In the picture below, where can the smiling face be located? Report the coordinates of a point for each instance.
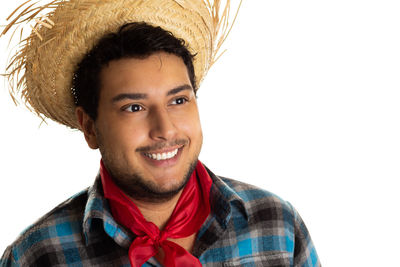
(148, 128)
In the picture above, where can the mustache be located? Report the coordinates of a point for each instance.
(161, 145)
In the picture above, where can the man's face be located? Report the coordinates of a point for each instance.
(148, 128)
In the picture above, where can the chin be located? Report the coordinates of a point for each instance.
(140, 186)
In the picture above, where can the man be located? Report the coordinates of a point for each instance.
(126, 74)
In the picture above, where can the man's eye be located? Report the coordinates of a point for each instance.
(179, 101)
(133, 108)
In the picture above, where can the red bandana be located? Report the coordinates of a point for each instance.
(189, 214)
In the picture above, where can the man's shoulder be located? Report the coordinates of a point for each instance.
(254, 197)
(63, 220)
(247, 191)
(262, 229)
(71, 209)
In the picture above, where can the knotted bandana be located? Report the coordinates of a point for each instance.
(189, 214)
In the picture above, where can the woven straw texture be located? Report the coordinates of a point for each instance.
(41, 71)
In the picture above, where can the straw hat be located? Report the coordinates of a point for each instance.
(41, 71)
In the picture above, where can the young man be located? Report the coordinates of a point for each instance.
(132, 93)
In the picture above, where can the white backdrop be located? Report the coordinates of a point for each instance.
(305, 103)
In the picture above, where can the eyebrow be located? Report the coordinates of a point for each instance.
(179, 89)
(130, 96)
(139, 96)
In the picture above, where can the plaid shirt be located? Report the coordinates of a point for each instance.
(247, 227)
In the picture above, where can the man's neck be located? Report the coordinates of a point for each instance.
(157, 213)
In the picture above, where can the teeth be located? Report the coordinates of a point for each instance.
(163, 156)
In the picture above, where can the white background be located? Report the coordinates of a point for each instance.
(305, 103)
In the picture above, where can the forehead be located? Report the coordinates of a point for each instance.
(155, 74)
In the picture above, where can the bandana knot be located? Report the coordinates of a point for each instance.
(157, 242)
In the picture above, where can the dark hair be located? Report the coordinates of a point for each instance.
(133, 40)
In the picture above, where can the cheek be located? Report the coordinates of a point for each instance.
(120, 135)
(191, 127)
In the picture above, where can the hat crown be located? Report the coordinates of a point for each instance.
(42, 70)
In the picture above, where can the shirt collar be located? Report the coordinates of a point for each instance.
(222, 199)
(98, 209)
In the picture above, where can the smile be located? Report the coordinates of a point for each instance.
(162, 156)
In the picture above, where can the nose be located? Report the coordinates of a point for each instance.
(161, 125)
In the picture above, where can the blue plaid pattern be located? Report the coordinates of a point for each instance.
(247, 227)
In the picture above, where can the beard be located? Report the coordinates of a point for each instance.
(138, 187)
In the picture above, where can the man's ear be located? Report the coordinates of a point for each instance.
(87, 127)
